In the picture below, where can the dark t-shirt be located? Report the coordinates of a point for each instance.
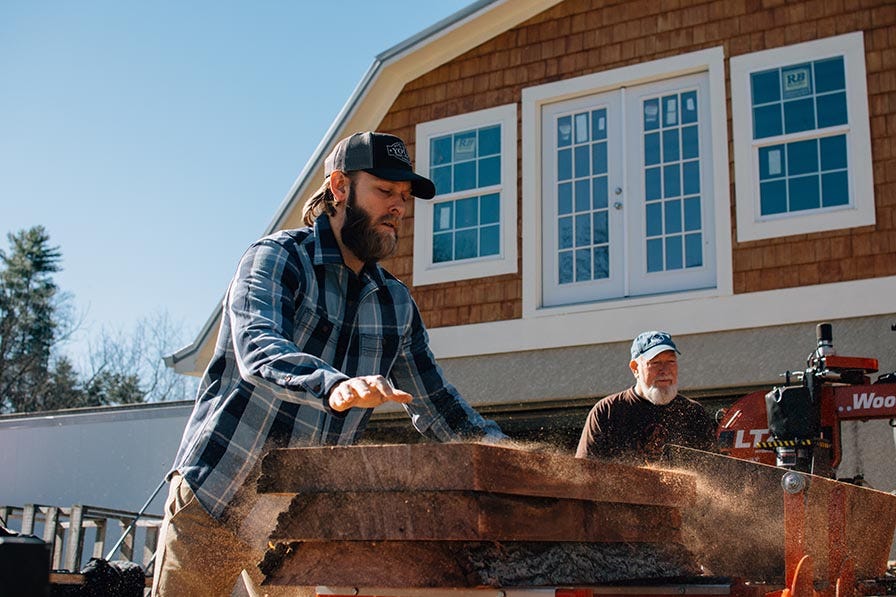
(630, 427)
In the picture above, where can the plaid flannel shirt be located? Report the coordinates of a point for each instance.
(296, 322)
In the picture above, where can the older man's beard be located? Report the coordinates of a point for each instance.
(660, 396)
(361, 237)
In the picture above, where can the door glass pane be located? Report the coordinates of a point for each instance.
(583, 195)
(564, 271)
(564, 233)
(601, 231)
(654, 255)
(692, 216)
(690, 142)
(691, 174)
(654, 218)
(583, 163)
(599, 124)
(599, 158)
(653, 185)
(670, 146)
(673, 217)
(674, 256)
(564, 131)
(651, 114)
(671, 181)
(601, 263)
(667, 215)
(581, 123)
(564, 198)
(693, 250)
(600, 193)
(564, 164)
(651, 149)
(583, 265)
(583, 231)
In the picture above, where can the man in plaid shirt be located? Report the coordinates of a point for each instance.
(314, 336)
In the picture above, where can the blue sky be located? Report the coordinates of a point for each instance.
(155, 140)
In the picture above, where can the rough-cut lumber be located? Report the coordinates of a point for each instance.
(471, 564)
(470, 516)
(736, 525)
(467, 515)
(470, 467)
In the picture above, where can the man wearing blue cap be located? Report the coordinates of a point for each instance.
(635, 424)
(314, 335)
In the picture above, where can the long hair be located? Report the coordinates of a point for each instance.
(321, 202)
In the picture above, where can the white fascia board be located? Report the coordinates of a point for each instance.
(690, 314)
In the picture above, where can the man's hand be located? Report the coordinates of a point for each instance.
(368, 391)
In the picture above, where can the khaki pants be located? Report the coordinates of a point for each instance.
(197, 556)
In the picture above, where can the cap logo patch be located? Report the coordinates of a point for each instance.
(399, 152)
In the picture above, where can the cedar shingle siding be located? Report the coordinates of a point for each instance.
(580, 37)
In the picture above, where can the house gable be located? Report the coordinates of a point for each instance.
(488, 56)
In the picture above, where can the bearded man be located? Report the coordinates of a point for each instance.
(314, 335)
(635, 424)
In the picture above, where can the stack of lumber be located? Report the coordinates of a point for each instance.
(470, 515)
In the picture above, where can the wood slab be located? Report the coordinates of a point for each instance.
(471, 564)
(470, 516)
(736, 526)
(469, 467)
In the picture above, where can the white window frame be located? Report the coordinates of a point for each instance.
(710, 61)
(427, 272)
(751, 225)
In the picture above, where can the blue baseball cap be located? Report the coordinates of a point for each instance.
(649, 344)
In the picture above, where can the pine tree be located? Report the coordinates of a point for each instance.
(28, 322)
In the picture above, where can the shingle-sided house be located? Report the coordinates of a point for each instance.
(721, 169)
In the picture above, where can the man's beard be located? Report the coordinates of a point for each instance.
(361, 237)
(660, 396)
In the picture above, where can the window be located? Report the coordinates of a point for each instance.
(630, 178)
(468, 229)
(802, 141)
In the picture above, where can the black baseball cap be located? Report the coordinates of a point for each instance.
(380, 154)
